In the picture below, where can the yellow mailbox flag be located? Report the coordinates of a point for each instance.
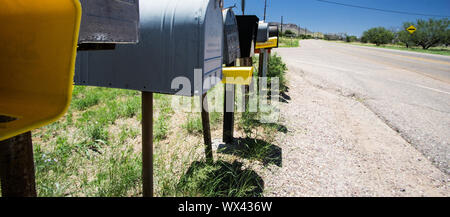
(271, 43)
(237, 75)
(38, 42)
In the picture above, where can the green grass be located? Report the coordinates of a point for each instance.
(289, 42)
(193, 124)
(122, 174)
(220, 179)
(80, 156)
(434, 50)
(162, 125)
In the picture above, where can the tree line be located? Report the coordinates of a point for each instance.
(429, 33)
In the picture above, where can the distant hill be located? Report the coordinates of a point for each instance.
(293, 27)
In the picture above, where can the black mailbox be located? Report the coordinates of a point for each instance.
(248, 28)
(179, 41)
(107, 21)
(231, 49)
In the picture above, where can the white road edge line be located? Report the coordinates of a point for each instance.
(421, 86)
(403, 82)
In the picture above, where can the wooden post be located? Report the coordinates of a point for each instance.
(147, 143)
(228, 112)
(17, 167)
(206, 128)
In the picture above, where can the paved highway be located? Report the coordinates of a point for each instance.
(410, 92)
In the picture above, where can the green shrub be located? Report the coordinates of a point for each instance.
(430, 33)
(379, 36)
(277, 68)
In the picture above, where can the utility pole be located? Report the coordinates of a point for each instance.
(281, 25)
(243, 6)
(265, 8)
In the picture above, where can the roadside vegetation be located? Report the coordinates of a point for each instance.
(289, 42)
(431, 36)
(290, 39)
(440, 50)
(95, 149)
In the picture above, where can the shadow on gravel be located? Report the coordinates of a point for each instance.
(253, 149)
(280, 128)
(284, 98)
(220, 179)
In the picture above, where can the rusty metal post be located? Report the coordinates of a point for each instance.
(147, 143)
(228, 112)
(17, 167)
(206, 128)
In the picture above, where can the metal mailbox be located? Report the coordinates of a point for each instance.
(177, 39)
(263, 32)
(38, 42)
(272, 41)
(231, 50)
(274, 32)
(106, 21)
(248, 27)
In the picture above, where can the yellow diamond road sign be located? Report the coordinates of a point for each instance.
(411, 29)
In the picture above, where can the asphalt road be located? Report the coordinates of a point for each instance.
(410, 92)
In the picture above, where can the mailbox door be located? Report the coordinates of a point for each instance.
(232, 50)
(263, 32)
(213, 46)
(273, 32)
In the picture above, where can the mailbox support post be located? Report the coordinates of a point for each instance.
(17, 167)
(147, 143)
(262, 69)
(206, 128)
(246, 62)
(228, 109)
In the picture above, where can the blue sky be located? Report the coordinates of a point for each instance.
(323, 17)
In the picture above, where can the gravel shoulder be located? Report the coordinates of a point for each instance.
(336, 146)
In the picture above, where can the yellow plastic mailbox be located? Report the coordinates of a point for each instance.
(38, 42)
(271, 43)
(237, 75)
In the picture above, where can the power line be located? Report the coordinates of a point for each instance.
(383, 10)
